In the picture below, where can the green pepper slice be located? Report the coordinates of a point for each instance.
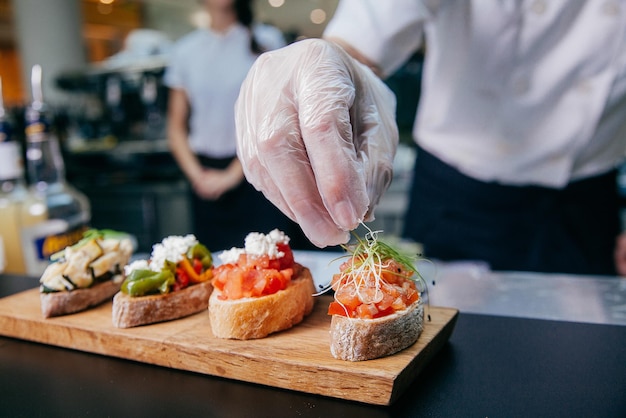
(145, 282)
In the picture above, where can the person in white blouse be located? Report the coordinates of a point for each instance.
(520, 127)
(205, 73)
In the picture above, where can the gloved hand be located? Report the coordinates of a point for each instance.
(316, 133)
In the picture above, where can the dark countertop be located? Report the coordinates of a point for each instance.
(492, 366)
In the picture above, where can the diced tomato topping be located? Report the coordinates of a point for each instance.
(286, 261)
(272, 264)
(259, 285)
(366, 310)
(412, 296)
(385, 312)
(392, 291)
(255, 276)
(219, 278)
(273, 285)
(335, 308)
(386, 302)
(233, 287)
(398, 304)
(347, 296)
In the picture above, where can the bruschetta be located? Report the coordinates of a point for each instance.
(174, 283)
(377, 309)
(85, 274)
(259, 289)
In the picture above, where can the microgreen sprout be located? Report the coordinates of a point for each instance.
(368, 262)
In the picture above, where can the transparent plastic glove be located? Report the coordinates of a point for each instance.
(316, 133)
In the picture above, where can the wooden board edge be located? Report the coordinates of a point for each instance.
(331, 384)
(415, 367)
(390, 387)
(171, 354)
(19, 329)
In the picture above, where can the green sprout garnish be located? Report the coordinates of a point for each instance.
(370, 258)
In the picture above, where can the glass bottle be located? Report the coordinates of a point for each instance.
(11, 185)
(16, 202)
(68, 210)
(12, 192)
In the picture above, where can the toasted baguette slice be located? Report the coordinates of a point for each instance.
(257, 317)
(356, 339)
(131, 311)
(63, 303)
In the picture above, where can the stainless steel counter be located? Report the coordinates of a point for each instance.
(472, 288)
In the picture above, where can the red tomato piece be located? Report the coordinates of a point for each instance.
(347, 296)
(287, 274)
(286, 261)
(335, 308)
(247, 284)
(220, 275)
(411, 296)
(366, 310)
(182, 279)
(386, 302)
(197, 265)
(233, 286)
(260, 285)
(384, 312)
(398, 304)
(273, 285)
(273, 264)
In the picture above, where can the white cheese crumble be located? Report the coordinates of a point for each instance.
(257, 245)
(136, 265)
(231, 256)
(172, 248)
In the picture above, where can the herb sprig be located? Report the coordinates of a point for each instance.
(369, 255)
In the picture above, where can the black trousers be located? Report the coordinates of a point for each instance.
(224, 223)
(527, 228)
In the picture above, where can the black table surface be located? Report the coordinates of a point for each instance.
(492, 366)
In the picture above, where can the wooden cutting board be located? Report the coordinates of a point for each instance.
(297, 359)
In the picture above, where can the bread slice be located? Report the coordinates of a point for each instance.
(67, 302)
(257, 317)
(131, 311)
(356, 339)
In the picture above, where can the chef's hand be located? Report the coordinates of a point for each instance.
(316, 133)
(620, 254)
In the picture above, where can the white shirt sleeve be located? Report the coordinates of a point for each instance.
(386, 32)
(173, 77)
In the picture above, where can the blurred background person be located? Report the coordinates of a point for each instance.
(520, 128)
(205, 73)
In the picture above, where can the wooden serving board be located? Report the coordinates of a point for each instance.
(297, 359)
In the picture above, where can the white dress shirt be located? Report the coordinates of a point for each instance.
(513, 91)
(210, 67)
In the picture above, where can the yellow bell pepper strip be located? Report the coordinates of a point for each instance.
(194, 277)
